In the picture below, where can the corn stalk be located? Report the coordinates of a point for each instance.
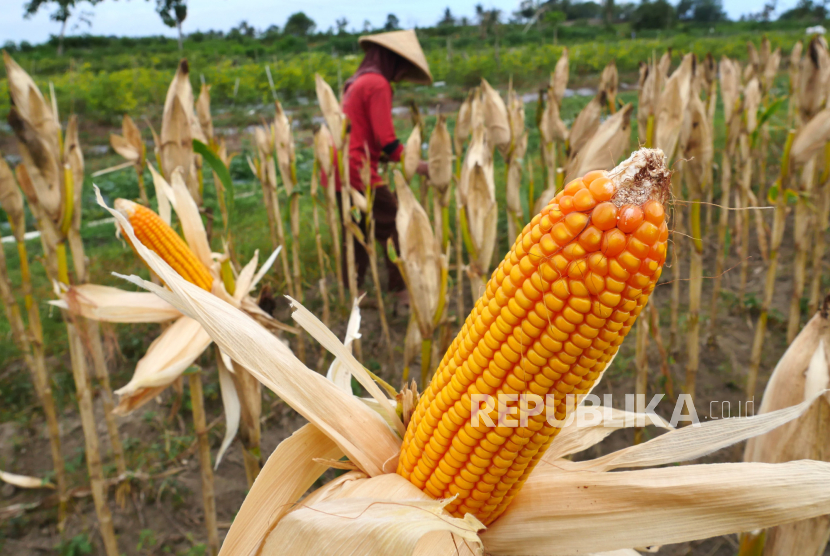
(321, 257)
(819, 241)
(348, 226)
(801, 236)
(779, 221)
(371, 249)
(197, 402)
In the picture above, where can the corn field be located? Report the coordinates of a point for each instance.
(692, 220)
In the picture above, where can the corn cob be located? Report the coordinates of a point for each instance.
(554, 314)
(160, 238)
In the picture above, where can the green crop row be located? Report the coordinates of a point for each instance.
(105, 95)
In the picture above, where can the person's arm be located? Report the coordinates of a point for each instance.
(380, 114)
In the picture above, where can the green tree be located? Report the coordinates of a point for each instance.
(392, 23)
(299, 25)
(448, 20)
(63, 11)
(555, 18)
(653, 15)
(173, 13)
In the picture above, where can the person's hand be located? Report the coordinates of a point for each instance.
(423, 168)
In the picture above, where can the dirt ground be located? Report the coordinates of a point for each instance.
(163, 513)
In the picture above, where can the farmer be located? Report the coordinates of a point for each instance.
(367, 102)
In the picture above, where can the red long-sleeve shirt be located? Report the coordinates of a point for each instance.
(368, 104)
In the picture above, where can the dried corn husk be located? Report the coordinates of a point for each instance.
(551, 125)
(332, 112)
(754, 67)
(482, 215)
(463, 122)
(11, 200)
(586, 123)
(814, 74)
(664, 66)
(24, 481)
(802, 372)
(323, 149)
(609, 81)
(515, 115)
(771, 69)
(696, 141)
(129, 145)
(421, 255)
(412, 153)
(811, 138)
(606, 146)
(495, 116)
(284, 144)
(177, 130)
(730, 86)
(671, 106)
(795, 66)
(559, 79)
(203, 112)
(752, 102)
(478, 153)
(440, 156)
(37, 133)
(73, 157)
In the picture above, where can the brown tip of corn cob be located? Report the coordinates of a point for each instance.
(554, 314)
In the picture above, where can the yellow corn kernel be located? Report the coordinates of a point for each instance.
(160, 238)
(553, 315)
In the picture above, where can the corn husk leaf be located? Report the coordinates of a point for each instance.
(811, 138)
(176, 141)
(167, 358)
(284, 144)
(73, 156)
(330, 107)
(551, 125)
(420, 252)
(609, 81)
(412, 153)
(11, 200)
(463, 122)
(193, 228)
(128, 145)
(559, 79)
(164, 194)
(671, 107)
(515, 115)
(478, 153)
(814, 73)
(108, 304)
(230, 404)
(203, 112)
(771, 67)
(495, 116)
(24, 481)
(362, 435)
(730, 86)
(323, 145)
(586, 123)
(606, 146)
(440, 156)
(674, 504)
(800, 374)
(339, 373)
(696, 141)
(573, 439)
(289, 472)
(752, 101)
(37, 131)
(363, 517)
(482, 215)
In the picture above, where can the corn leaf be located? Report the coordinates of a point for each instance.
(219, 168)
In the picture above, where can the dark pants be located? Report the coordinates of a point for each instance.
(384, 209)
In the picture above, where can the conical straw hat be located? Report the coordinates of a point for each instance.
(405, 44)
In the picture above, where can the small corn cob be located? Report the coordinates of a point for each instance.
(160, 238)
(554, 314)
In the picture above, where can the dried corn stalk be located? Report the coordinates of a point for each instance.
(671, 106)
(801, 374)
(52, 179)
(333, 114)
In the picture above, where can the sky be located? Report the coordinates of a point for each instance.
(138, 17)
